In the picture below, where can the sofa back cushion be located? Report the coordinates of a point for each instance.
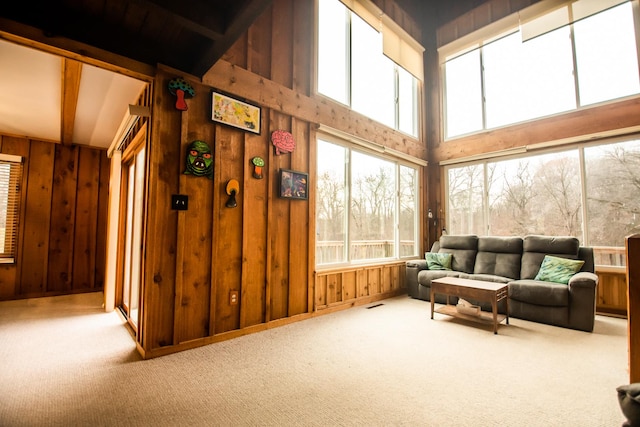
(464, 250)
(499, 256)
(536, 247)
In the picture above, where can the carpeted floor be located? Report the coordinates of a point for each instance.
(63, 362)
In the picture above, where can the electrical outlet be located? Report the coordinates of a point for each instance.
(233, 297)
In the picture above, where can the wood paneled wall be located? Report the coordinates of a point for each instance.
(263, 248)
(62, 231)
(612, 291)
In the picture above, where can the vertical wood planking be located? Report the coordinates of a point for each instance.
(303, 48)
(160, 245)
(254, 237)
(101, 231)
(349, 285)
(37, 207)
(86, 224)
(195, 236)
(320, 298)
(229, 164)
(282, 43)
(65, 177)
(299, 226)
(280, 229)
(259, 46)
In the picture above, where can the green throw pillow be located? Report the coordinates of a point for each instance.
(559, 270)
(438, 261)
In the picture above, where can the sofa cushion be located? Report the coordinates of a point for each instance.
(438, 261)
(535, 248)
(426, 276)
(499, 256)
(490, 278)
(558, 270)
(539, 293)
(463, 249)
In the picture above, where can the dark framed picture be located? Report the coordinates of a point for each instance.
(293, 185)
(236, 113)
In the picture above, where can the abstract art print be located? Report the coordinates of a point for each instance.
(232, 112)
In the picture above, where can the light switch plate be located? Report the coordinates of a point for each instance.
(179, 202)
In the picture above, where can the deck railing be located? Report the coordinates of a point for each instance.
(614, 256)
(329, 251)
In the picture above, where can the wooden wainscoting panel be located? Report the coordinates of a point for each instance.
(358, 284)
(612, 292)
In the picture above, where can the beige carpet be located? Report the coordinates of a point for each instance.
(64, 362)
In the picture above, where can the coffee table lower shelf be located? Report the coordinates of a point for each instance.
(484, 317)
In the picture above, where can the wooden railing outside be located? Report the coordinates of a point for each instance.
(330, 251)
(609, 255)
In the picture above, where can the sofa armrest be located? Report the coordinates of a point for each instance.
(412, 269)
(583, 279)
(419, 264)
(582, 300)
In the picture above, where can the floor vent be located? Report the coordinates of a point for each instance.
(374, 306)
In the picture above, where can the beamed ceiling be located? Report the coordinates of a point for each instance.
(188, 35)
(69, 68)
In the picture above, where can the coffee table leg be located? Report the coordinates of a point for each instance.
(507, 299)
(494, 309)
(432, 297)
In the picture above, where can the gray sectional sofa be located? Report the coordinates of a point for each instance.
(516, 261)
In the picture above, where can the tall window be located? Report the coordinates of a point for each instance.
(521, 76)
(10, 179)
(543, 194)
(366, 206)
(353, 70)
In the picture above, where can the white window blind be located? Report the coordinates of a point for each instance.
(397, 44)
(10, 180)
(550, 15)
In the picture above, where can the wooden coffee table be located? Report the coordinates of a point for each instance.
(472, 289)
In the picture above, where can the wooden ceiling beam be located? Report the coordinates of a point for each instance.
(71, 74)
(244, 18)
(208, 23)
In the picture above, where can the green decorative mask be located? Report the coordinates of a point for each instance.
(199, 160)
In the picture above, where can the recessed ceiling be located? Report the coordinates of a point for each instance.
(31, 84)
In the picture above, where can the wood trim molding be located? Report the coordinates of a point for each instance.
(315, 109)
(607, 120)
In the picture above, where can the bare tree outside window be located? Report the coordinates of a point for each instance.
(613, 197)
(466, 200)
(364, 203)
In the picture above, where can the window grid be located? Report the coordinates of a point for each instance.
(632, 89)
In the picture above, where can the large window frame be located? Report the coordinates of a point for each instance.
(350, 42)
(471, 112)
(587, 195)
(347, 248)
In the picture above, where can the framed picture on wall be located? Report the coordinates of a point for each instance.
(293, 185)
(236, 113)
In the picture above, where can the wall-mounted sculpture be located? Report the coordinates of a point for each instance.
(283, 141)
(182, 90)
(199, 160)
